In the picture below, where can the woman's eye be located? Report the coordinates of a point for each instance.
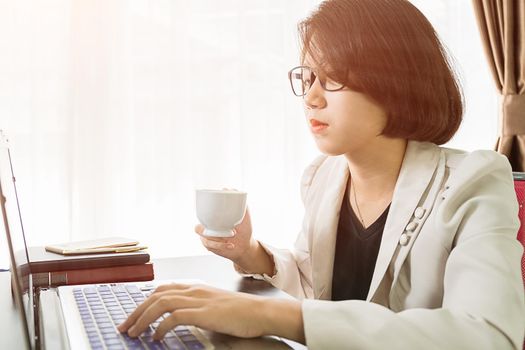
(307, 82)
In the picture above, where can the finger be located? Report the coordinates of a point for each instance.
(178, 317)
(166, 303)
(199, 229)
(247, 214)
(216, 245)
(246, 220)
(172, 286)
(214, 251)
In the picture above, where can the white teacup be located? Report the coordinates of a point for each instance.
(220, 210)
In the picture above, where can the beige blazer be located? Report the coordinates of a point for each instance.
(447, 274)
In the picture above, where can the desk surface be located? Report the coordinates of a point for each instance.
(212, 269)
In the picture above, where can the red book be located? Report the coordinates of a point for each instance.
(128, 273)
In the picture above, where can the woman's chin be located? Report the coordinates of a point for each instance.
(330, 149)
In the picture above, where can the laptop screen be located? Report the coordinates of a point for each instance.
(21, 283)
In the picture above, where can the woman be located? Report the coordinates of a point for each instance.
(404, 244)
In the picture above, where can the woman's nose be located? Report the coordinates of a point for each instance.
(314, 97)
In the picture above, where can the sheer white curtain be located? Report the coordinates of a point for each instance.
(118, 110)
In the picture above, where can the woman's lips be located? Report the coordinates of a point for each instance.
(317, 126)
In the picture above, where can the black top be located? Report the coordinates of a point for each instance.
(356, 252)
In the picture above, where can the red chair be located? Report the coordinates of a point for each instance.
(519, 186)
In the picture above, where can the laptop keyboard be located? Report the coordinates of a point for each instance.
(103, 307)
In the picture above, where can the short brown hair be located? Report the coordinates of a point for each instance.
(389, 51)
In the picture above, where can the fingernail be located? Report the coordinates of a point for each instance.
(131, 331)
(230, 246)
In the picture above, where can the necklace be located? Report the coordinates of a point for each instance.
(356, 205)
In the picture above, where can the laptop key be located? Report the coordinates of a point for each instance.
(110, 336)
(183, 332)
(94, 337)
(118, 288)
(91, 329)
(104, 331)
(113, 342)
(194, 345)
(104, 320)
(187, 338)
(132, 289)
(131, 341)
(156, 345)
(139, 346)
(148, 332)
(97, 346)
(174, 343)
(147, 287)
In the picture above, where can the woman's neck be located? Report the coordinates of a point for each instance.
(375, 168)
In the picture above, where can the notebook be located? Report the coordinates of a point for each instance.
(88, 314)
(96, 246)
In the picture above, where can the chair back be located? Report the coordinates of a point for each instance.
(519, 186)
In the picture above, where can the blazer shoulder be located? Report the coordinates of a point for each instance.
(480, 186)
(467, 167)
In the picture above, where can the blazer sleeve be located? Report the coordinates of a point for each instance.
(293, 272)
(483, 304)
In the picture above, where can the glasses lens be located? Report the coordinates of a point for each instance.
(301, 78)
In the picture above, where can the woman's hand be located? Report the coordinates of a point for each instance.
(232, 248)
(242, 248)
(238, 314)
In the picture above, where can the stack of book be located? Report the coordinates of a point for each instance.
(99, 261)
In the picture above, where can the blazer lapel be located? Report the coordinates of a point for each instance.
(416, 174)
(324, 221)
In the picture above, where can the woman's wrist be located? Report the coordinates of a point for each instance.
(256, 260)
(283, 318)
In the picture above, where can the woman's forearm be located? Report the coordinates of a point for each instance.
(284, 318)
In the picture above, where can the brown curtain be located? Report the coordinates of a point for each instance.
(502, 28)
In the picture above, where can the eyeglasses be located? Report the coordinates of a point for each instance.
(303, 77)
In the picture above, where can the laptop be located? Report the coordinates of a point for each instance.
(86, 316)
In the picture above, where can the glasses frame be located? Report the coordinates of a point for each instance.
(316, 75)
